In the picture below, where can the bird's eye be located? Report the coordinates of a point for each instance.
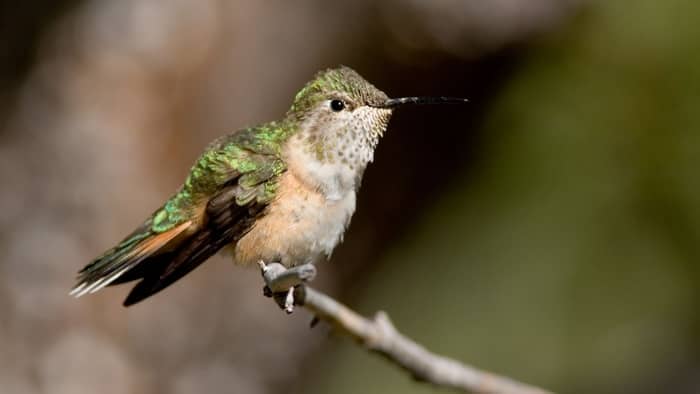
(337, 105)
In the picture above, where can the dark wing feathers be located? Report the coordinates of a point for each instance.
(227, 221)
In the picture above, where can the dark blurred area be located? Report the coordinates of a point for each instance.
(549, 231)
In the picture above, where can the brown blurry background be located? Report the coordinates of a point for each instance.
(549, 231)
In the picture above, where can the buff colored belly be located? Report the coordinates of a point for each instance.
(298, 227)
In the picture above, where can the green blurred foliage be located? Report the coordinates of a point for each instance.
(570, 260)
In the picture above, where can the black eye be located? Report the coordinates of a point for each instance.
(337, 105)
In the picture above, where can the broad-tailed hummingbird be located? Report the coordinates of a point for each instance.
(283, 191)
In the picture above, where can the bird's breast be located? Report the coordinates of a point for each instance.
(299, 226)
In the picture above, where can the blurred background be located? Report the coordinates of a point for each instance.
(548, 231)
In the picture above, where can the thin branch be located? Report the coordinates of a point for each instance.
(379, 335)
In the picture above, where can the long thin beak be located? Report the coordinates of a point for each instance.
(397, 102)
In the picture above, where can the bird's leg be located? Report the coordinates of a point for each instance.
(280, 282)
(289, 301)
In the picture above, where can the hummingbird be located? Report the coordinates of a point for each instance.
(282, 191)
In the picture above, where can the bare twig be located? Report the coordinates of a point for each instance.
(379, 335)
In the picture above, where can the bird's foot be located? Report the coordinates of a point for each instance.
(285, 285)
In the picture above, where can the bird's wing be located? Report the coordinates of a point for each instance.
(228, 188)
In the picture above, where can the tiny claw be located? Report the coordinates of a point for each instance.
(289, 301)
(263, 266)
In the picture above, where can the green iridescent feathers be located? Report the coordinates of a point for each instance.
(250, 157)
(338, 80)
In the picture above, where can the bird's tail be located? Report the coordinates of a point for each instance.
(121, 263)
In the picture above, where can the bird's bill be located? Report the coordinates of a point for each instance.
(397, 102)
